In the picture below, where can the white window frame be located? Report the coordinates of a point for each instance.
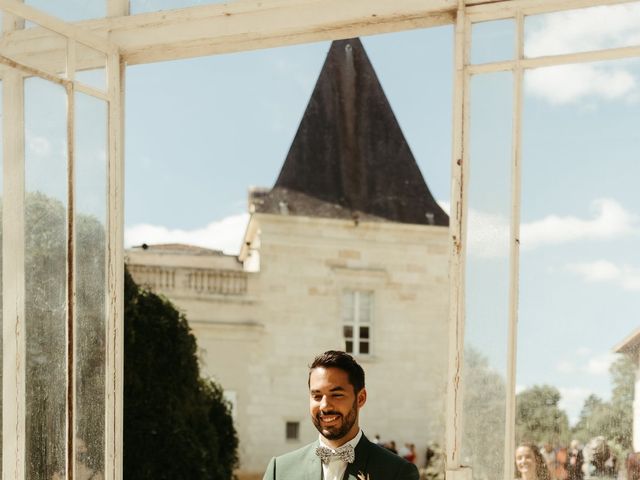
(18, 62)
(248, 24)
(355, 322)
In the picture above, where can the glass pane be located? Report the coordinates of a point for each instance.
(144, 6)
(91, 198)
(348, 347)
(579, 266)
(71, 10)
(573, 31)
(45, 276)
(364, 332)
(493, 41)
(347, 307)
(487, 274)
(365, 299)
(364, 347)
(347, 331)
(91, 67)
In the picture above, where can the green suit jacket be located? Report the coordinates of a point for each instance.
(371, 459)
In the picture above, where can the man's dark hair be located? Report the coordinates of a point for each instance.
(343, 361)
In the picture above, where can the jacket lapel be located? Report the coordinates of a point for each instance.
(359, 465)
(313, 470)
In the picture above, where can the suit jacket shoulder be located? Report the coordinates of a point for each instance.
(295, 464)
(378, 462)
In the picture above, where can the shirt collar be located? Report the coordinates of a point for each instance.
(353, 442)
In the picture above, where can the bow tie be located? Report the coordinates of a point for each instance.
(344, 453)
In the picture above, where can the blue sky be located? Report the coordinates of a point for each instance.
(200, 132)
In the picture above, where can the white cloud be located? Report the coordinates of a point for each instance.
(599, 365)
(572, 83)
(488, 233)
(446, 206)
(225, 235)
(572, 400)
(610, 220)
(625, 276)
(582, 30)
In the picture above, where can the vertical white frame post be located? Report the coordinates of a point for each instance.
(13, 276)
(514, 254)
(457, 246)
(115, 272)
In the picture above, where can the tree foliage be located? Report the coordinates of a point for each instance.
(612, 419)
(176, 425)
(539, 419)
(483, 406)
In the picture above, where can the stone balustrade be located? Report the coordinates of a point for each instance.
(190, 280)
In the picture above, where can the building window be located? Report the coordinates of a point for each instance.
(293, 430)
(357, 312)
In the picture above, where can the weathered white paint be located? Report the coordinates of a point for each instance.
(13, 280)
(514, 254)
(115, 271)
(457, 235)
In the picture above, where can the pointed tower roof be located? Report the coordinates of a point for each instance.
(349, 158)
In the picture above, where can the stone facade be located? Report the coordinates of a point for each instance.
(260, 318)
(631, 346)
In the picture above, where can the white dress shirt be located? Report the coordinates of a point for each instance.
(334, 470)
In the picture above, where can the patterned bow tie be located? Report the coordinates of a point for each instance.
(344, 453)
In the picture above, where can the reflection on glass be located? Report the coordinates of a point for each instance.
(91, 198)
(145, 6)
(45, 276)
(71, 10)
(91, 67)
(578, 324)
(493, 41)
(573, 31)
(487, 274)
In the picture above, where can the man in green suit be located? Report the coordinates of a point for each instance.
(342, 452)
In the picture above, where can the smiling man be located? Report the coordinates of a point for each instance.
(342, 452)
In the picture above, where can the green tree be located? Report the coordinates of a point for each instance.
(539, 419)
(614, 419)
(176, 425)
(483, 406)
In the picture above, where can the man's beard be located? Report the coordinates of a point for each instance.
(339, 431)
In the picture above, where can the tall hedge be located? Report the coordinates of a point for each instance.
(176, 424)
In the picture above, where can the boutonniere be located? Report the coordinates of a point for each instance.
(362, 476)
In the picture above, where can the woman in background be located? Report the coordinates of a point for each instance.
(529, 463)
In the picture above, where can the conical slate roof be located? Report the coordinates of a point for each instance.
(349, 158)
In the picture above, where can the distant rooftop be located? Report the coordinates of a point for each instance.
(349, 157)
(178, 249)
(629, 344)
